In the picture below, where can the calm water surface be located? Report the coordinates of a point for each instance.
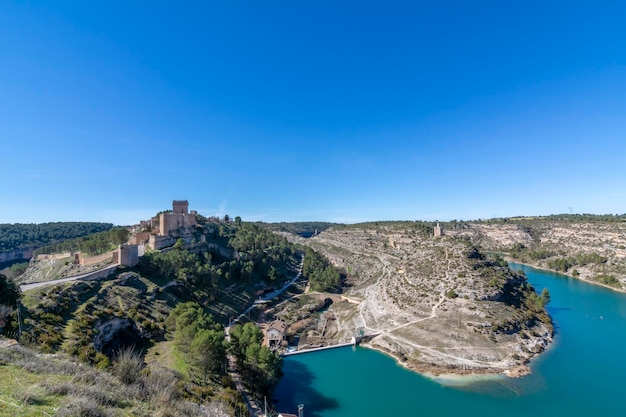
(582, 374)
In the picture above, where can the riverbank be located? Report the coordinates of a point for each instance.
(575, 375)
(544, 269)
(451, 372)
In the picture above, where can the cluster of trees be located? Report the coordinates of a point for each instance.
(17, 269)
(260, 368)
(530, 308)
(199, 340)
(21, 236)
(607, 279)
(201, 343)
(9, 292)
(564, 264)
(261, 256)
(206, 270)
(536, 301)
(9, 296)
(521, 251)
(321, 274)
(92, 244)
(193, 268)
(254, 243)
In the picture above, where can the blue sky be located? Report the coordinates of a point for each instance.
(311, 110)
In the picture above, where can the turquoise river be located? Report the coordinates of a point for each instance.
(581, 374)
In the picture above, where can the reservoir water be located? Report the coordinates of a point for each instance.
(581, 374)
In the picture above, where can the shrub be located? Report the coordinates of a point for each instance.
(83, 408)
(451, 294)
(607, 279)
(127, 366)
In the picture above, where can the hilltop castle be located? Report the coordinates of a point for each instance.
(162, 230)
(177, 218)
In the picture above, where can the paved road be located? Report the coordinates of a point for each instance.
(27, 287)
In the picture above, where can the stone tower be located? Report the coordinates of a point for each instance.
(180, 206)
(438, 231)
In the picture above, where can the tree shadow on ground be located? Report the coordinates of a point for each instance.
(297, 388)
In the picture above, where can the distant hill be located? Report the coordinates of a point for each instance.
(18, 241)
(585, 246)
(92, 244)
(21, 236)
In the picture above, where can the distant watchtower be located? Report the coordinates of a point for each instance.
(438, 231)
(180, 206)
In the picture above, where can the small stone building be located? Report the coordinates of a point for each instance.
(276, 333)
(438, 230)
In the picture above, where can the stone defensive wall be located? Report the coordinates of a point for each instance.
(91, 260)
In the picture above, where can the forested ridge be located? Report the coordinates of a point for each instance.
(22, 236)
(92, 244)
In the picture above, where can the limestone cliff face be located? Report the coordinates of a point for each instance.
(25, 254)
(592, 251)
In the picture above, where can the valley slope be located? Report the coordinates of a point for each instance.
(592, 249)
(437, 304)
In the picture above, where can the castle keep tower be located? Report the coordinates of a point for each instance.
(180, 207)
(438, 231)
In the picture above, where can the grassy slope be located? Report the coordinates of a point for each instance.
(35, 385)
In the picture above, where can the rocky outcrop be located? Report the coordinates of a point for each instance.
(14, 255)
(115, 334)
(594, 251)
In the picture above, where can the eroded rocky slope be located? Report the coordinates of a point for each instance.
(437, 304)
(593, 251)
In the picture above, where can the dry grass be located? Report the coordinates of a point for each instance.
(40, 385)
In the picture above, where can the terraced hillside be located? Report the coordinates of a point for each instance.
(437, 304)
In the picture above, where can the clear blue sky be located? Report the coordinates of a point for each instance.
(311, 110)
